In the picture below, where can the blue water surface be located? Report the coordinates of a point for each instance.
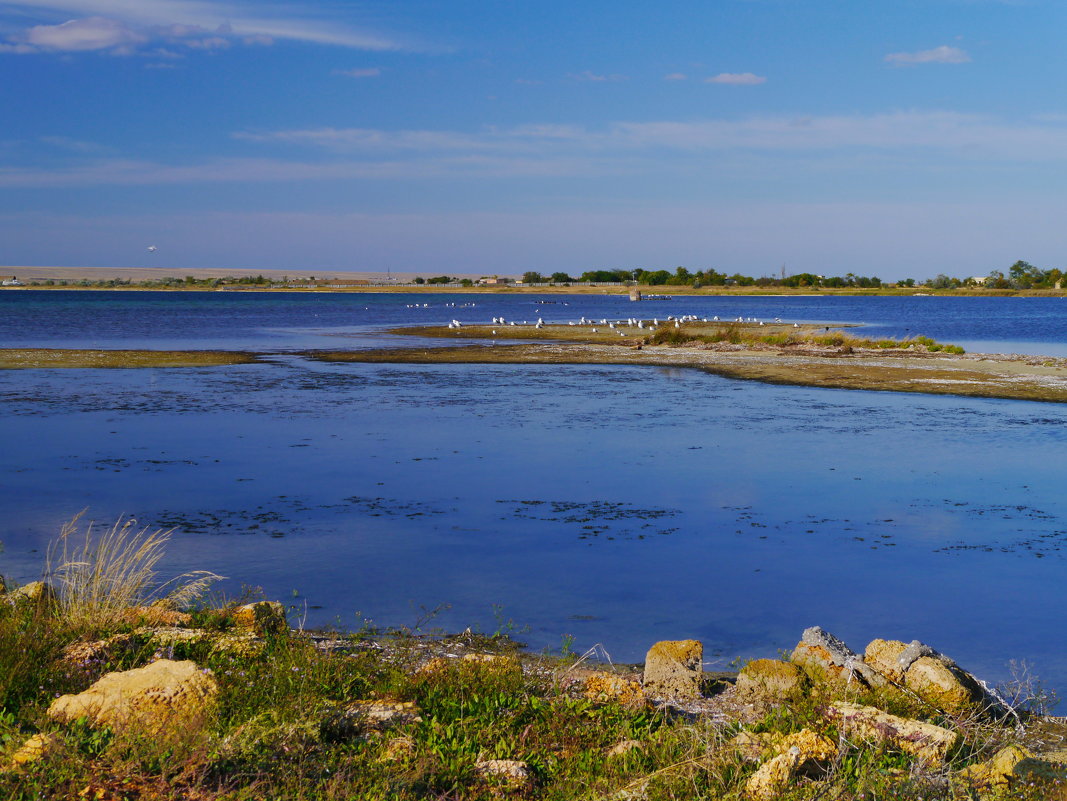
(617, 504)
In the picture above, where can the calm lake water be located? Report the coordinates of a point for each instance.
(620, 505)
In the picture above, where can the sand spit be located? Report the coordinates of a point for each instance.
(901, 369)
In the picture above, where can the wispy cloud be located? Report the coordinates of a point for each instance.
(944, 54)
(960, 134)
(737, 79)
(589, 75)
(122, 25)
(331, 154)
(364, 72)
(675, 76)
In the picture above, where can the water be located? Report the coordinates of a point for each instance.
(294, 320)
(620, 505)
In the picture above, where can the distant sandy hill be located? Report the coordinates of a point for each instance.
(150, 273)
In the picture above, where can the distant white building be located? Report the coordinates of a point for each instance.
(9, 280)
(979, 279)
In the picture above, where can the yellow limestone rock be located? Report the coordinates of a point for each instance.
(772, 778)
(673, 669)
(261, 618)
(607, 688)
(490, 662)
(934, 681)
(161, 697)
(995, 773)
(40, 593)
(826, 658)
(38, 747)
(925, 741)
(805, 752)
(809, 746)
(771, 679)
(884, 655)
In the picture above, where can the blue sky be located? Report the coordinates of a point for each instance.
(898, 138)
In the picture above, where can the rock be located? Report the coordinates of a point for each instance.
(624, 747)
(824, 657)
(772, 777)
(926, 742)
(497, 662)
(609, 688)
(262, 618)
(771, 680)
(754, 746)
(90, 657)
(245, 646)
(38, 747)
(931, 675)
(160, 698)
(884, 656)
(155, 615)
(507, 775)
(812, 749)
(40, 593)
(673, 669)
(995, 773)
(368, 717)
(940, 682)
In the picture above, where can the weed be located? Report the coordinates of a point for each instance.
(100, 576)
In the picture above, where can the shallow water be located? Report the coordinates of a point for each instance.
(619, 505)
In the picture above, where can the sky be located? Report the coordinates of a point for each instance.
(897, 138)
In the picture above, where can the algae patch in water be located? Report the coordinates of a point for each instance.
(49, 358)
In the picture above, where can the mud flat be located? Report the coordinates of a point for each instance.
(30, 358)
(806, 357)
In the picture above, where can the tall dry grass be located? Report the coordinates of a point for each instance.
(100, 573)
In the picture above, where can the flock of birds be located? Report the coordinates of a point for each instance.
(617, 325)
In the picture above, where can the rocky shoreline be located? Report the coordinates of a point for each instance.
(777, 728)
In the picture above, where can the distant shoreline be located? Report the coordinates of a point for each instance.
(559, 289)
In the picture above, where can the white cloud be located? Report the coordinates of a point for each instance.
(737, 79)
(898, 140)
(938, 55)
(675, 76)
(589, 75)
(91, 33)
(366, 72)
(961, 135)
(111, 24)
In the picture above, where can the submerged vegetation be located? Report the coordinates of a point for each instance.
(404, 715)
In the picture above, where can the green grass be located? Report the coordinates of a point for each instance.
(736, 334)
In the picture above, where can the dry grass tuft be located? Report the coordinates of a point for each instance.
(101, 575)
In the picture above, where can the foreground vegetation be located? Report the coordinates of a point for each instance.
(465, 707)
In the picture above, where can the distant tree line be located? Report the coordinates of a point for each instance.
(1021, 275)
